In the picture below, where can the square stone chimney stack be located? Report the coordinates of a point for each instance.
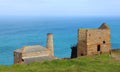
(50, 44)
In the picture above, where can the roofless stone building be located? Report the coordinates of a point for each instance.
(92, 41)
(33, 53)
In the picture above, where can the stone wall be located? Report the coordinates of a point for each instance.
(98, 41)
(36, 54)
(17, 57)
(82, 46)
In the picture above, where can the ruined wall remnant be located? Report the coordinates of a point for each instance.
(33, 53)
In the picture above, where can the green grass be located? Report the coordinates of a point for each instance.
(98, 63)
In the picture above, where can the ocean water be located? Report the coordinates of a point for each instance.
(16, 32)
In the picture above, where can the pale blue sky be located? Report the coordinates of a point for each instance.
(60, 7)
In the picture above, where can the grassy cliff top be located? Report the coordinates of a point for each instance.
(98, 63)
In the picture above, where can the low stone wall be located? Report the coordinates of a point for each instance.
(33, 54)
(115, 49)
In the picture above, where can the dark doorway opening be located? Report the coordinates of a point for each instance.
(81, 54)
(98, 48)
(22, 60)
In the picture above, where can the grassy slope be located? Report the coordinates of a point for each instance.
(99, 63)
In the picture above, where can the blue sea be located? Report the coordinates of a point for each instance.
(18, 31)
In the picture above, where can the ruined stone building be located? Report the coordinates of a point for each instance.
(92, 41)
(33, 53)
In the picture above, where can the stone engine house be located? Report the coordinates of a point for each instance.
(33, 53)
(92, 41)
